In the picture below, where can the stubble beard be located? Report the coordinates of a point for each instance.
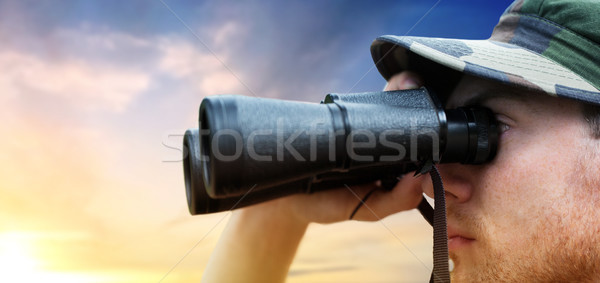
(560, 247)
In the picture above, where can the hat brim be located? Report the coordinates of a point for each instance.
(498, 61)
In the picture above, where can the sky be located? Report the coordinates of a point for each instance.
(95, 97)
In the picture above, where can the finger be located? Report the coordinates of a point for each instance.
(406, 195)
(404, 80)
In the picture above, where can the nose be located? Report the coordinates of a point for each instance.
(456, 182)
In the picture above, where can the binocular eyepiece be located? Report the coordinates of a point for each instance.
(250, 150)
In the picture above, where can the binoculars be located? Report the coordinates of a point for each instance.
(250, 150)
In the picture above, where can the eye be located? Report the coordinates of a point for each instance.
(502, 127)
(504, 123)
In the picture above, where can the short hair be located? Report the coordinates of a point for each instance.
(591, 114)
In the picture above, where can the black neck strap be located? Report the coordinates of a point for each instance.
(437, 218)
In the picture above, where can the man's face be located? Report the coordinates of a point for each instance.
(532, 213)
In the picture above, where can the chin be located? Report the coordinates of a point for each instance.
(470, 269)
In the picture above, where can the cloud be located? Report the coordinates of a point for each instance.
(75, 82)
(227, 33)
(205, 67)
(207, 73)
(100, 37)
(204, 72)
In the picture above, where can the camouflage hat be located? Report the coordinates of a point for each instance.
(551, 46)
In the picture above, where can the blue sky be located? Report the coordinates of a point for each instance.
(95, 96)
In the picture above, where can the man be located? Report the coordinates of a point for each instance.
(530, 215)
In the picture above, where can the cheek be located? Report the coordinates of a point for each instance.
(525, 181)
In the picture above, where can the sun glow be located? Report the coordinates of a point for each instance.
(16, 257)
(19, 262)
